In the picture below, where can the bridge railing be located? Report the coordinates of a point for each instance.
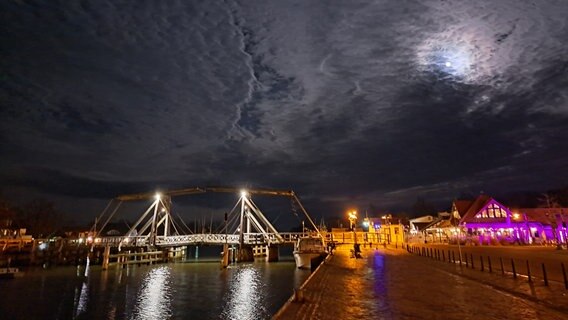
(180, 240)
(117, 240)
(197, 238)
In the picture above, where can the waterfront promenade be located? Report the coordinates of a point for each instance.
(392, 284)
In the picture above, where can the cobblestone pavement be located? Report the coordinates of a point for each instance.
(392, 284)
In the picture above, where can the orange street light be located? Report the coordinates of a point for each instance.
(352, 218)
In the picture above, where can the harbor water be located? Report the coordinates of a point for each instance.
(184, 290)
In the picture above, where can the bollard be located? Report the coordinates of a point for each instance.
(544, 275)
(471, 256)
(489, 264)
(454, 256)
(466, 262)
(502, 267)
(481, 261)
(460, 260)
(443, 256)
(564, 274)
(529, 271)
(298, 295)
(514, 271)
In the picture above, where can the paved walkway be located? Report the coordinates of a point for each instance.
(391, 284)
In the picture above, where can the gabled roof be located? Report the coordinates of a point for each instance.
(542, 215)
(462, 206)
(475, 207)
(440, 223)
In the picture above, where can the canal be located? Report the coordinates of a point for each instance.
(187, 290)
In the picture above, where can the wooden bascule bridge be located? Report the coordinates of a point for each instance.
(158, 236)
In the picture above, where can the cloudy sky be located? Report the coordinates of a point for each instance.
(347, 102)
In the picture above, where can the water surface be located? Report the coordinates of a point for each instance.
(164, 291)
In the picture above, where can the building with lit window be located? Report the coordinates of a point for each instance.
(486, 221)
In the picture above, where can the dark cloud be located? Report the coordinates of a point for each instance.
(349, 103)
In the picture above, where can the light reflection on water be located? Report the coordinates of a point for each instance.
(167, 291)
(154, 296)
(244, 295)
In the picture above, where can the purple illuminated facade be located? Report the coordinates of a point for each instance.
(487, 221)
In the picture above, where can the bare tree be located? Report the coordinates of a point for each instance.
(42, 219)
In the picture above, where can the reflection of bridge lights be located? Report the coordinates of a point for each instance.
(154, 298)
(244, 300)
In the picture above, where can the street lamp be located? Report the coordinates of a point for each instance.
(352, 218)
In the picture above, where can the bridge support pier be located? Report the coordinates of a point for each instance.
(106, 257)
(225, 259)
(272, 253)
(244, 254)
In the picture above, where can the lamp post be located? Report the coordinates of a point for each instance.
(352, 218)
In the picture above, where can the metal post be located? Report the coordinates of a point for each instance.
(153, 230)
(482, 266)
(544, 275)
(514, 270)
(502, 266)
(489, 264)
(564, 275)
(472, 266)
(529, 271)
(241, 240)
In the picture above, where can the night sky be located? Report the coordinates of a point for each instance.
(346, 102)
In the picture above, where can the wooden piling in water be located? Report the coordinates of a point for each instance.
(544, 276)
(106, 256)
(513, 267)
(489, 264)
(502, 266)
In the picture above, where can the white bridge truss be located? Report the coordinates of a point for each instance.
(156, 226)
(200, 239)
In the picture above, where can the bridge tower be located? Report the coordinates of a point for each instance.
(253, 221)
(155, 221)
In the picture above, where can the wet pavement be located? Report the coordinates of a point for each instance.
(392, 284)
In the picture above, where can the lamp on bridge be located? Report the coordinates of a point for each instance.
(244, 193)
(158, 196)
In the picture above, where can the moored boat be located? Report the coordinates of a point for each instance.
(9, 273)
(306, 249)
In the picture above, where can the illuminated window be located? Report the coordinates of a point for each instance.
(492, 211)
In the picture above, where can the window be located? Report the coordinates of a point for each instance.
(492, 211)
